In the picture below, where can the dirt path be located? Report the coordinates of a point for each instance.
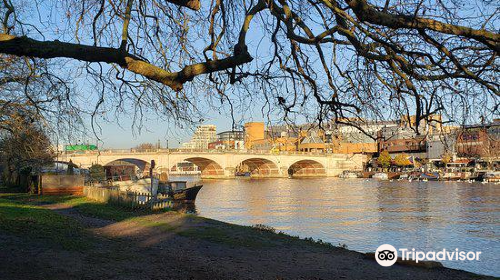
(68, 210)
(160, 247)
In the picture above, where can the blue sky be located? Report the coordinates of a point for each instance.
(114, 136)
(121, 132)
(126, 135)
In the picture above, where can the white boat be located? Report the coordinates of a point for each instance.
(138, 186)
(492, 176)
(348, 174)
(178, 190)
(181, 172)
(380, 176)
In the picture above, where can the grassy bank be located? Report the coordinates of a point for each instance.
(31, 221)
(16, 209)
(84, 237)
(82, 204)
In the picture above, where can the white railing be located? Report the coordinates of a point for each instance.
(193, 151)
(129, 199)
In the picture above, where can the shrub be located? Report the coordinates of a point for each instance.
(265, 228)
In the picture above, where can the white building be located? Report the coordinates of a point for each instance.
(351, 134)
(203, 135)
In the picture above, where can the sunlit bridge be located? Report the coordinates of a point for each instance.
(307, 168)
(258, 167)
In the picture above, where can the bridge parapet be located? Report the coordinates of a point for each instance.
(193, 151)
(223, 164)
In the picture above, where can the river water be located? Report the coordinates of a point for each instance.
(365, 213)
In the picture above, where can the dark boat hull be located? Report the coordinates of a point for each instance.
(188, 195)
(430, 176)
(242, 174)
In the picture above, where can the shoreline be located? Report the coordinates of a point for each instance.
(112, 239)
(366, 255)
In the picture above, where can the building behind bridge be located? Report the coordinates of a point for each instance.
(430, 142)
(203, 135)
(229, 140)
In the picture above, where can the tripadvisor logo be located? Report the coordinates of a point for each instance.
(387, 255)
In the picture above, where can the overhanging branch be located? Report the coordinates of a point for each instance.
(24, 46)
(366, 12)
(191, 4)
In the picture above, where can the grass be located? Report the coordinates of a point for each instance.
(233, 237)
(256, 236)
(157, 224)
(84, 205)
(42, 225)
(106, 211)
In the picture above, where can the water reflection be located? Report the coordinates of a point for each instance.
(365, 213)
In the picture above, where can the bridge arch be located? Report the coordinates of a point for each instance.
(307, 168)
(259, 167)
(208, 167)
(126, 168)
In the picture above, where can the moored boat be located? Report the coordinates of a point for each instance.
(188, 194)
(429, 176)
(452, 176)
(242, 174)
(380, 176)
(492, 176)
(179, 190)
(138, 185)
(348, 174)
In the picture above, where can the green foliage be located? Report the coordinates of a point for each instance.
(384, 159)
(446, 157)
(97, 172)
(402, 160)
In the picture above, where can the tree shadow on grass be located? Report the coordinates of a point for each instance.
(153, 226)
(109, 211)
(38, 224)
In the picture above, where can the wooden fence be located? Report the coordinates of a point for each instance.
(61, 184)
(133, 200)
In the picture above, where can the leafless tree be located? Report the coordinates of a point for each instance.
(146, 146)
(30, 88)
(24, 148)
(352, 59)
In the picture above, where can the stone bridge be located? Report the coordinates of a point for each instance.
(223, 164)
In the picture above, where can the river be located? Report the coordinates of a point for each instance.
(363, 214)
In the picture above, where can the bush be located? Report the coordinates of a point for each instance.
(265, 228)
(97, 172)
(384, 159)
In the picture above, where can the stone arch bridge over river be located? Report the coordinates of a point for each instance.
(224, 164)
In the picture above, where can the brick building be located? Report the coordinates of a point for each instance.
(479, 141)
